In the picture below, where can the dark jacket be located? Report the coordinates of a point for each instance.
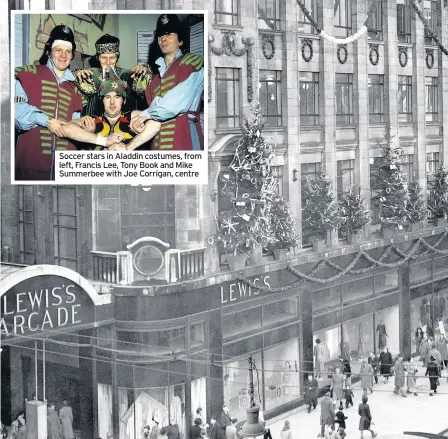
(386, 363)
(215, 431)
(172, 431)
(348, 393)
(195, 432)
(366, 417)
(311, 392)
(341, 418)
(432, 370)
(374, 362)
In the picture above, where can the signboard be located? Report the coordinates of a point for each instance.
(42, 304)
(237, 291)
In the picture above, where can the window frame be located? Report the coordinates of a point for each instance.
(275, 19)
(432, 95)
(343, 19)
(308, 28)
(375, 25)
(405, 97)
(236, 80)
(277, 84)
(312, 169)
(429, 13)
(376, 90)
(404, 29)
(344, 118)
(344, 167)
(234, 13)
(314, 83)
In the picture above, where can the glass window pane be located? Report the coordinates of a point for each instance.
(327, 300)
(385, 282)
(279, 312)
(242, 321)
(357, 290)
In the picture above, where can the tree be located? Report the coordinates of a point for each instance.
(438, 193)
(392, 188)
(283, 226)
(250, 187)
(321, 210)
(416, 204)
(353, 211)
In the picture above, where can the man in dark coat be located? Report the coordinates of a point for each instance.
(327, 414)
(433, 372)
(311, 387)
(214, 428)
(172, 430)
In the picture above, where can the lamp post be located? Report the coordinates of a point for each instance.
(252, 427)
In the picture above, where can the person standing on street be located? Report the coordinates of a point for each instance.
(366, 377)
(337, 386)
(327, 413)
(399, 369)
(195, 430)
(374, 362)
(348, 393)
(386, 363)
(424, 349)
(433, 352)
(172, 430)
(66, 417)
(54, 429)
(443, 349)
(311, 392)
(366, 417)
(411, 368)
(433, 372)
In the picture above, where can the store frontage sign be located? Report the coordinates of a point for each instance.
(238, 291)
(44, 303)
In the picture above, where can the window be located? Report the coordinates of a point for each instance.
(431, 99)
(309, 171)
(344, 99)
(227, 98)
(343, 15)
(241, 322)
(304, 25)
(279, 312)
(345, 175)
(26, 225)
(278, 170)
(376, 99)
(375, 23)
(268, 14)
(65, 227)
(197, 334)
(404, 21)
(226, 12)
(405, 98)
(271, 96)
(432, 164)
(431, 13)
(309, 98)
(407, 167)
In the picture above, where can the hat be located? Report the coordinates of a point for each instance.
(147, 426)
(116, 85)
(61, 33)
(169, 23)
(107, 44)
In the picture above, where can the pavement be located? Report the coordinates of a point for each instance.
(391, 413)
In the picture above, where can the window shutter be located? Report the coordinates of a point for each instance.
(401, 19)
(144, 39)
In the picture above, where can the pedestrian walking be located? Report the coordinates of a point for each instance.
(348, 393)
(411, 368)
(418, 338)
(195, 430)
(337, 386)
(340, 418)
(286, 431)
(340, 431)
(54, 428)
(399, 370)
(366, 417)
(386, 363)
(346, 369)
(374, 361)
(66, 417)
(319, 355)
(424, 349)
(326, 413)
(366, 377)
(311, 393)
(433, 372)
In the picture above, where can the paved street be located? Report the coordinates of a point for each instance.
(392, 413)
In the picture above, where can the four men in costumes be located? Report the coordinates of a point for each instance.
(175, 93)
(45, 97)
(105, 67)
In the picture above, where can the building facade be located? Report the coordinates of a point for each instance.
(183, 325)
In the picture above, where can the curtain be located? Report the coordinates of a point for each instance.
(198, 397)
(105, 428)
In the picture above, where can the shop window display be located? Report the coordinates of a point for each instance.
(241, 322)
(357, 291)
(281, 381)
(441, 267)
(420, 272)
(358, 333)
(385, 282)
(419, 314)
(279, 312)
(387, 329)
(327, 300)
(105, 428)
(199, 398)
(331, 340)
(236, 385)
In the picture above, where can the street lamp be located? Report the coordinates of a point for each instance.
(252, 427)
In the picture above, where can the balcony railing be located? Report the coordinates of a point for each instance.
(117, 268)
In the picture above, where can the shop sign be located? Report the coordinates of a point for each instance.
(44, 303)
(240, 291)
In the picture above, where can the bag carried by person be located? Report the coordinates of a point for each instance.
(373, 429)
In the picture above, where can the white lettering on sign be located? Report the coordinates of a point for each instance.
(39, 310)
(238, 291)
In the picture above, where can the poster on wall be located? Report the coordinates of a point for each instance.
(109, 96)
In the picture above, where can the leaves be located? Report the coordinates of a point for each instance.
(354, 212)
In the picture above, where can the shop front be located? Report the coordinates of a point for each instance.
(48, 316)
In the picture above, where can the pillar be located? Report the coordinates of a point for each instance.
(306, 314)
(405, 310)
(215, 387)
(86, 388)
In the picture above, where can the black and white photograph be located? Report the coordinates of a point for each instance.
(301, 292)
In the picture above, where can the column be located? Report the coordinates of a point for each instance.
(418, 104)
(326, 103)
(306, 346)
(291, 110)
(215, 387)
(86, 387)
(405, 310)
(443, 87)
(361, 104)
